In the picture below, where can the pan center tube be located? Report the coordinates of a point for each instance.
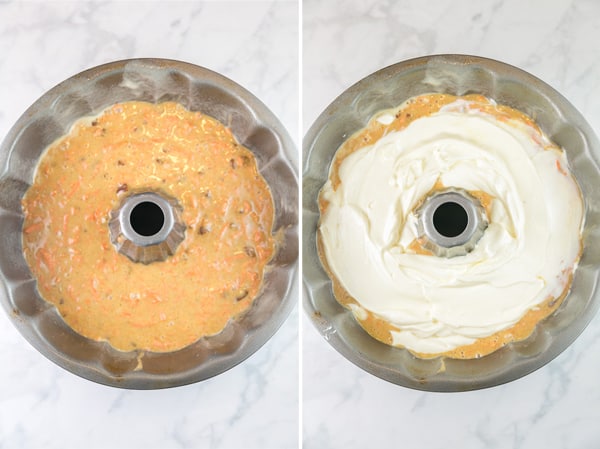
(451, 222)
(146, 227)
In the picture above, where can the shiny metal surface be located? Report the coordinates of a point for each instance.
(457, 244)
(147, 247)
(459, 75)
(88, 93)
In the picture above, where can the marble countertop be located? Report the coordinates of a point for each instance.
(554, 407)
(254, 405)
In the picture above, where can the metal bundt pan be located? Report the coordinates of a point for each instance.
(152, 80)
(458, 75)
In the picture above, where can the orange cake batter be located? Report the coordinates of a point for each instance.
(227, 208)
(389, 320)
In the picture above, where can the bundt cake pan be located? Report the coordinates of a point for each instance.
(88, 93)
(458, 75)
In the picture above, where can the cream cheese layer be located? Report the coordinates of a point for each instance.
(526, 255)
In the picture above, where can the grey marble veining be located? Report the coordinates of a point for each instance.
(554, 407)
(254, 405)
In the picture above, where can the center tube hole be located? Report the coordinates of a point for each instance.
(450, 219)
(147, 218)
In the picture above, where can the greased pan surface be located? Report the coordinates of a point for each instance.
(88, 93)
(458, 75)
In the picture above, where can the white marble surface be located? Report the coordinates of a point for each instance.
(556, 406)
(254, 405)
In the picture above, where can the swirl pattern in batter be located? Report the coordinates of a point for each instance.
(465, 306)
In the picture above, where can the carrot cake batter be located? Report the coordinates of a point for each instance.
(469, 305)
(227, 208)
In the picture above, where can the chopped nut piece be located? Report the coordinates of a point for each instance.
(241, 295)
(204, 229)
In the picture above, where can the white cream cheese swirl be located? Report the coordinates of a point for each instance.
(525, 256)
